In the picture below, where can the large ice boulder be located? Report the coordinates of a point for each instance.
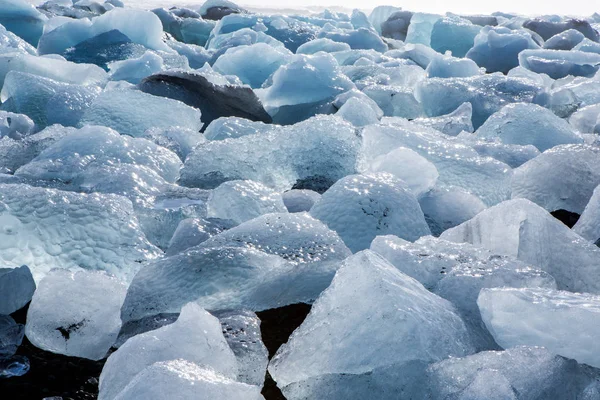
(45, 100)
(208, 91)
(17, 287)
(522, 229)
(196, 336)
(453, 34)
(487, 94)
(271, 261)
(403, 328)
(560, 63)
(379, 203)
(47, 228)
(497, 48)
(302, 86)
(188, 380)
(312, 154)
(21, 18)
(132, 112)
(525, 373)
(524, 124)
(566, 40)
(562, 322)
(554, 179)
(76, 313)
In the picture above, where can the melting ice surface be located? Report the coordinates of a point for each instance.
(427, 184)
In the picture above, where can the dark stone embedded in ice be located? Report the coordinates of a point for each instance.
(213, 100)
(216, 13)
(104, 48)
(566, 217)
(547, 29)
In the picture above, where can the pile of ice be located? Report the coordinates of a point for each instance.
(428, 183)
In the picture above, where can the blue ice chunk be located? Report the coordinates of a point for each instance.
(133, 70)
(358, 39)
(497, 48)
(9, 43)
(323, 44)
(565, 40)
(588, 46)
(448, 67)
(546, 29)
(453, 34)
(21, 18)
(380, 14)
(419, 30)
(559, 63)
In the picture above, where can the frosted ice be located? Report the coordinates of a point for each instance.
(447, 207)
(21, 18)
(240, 201)
(46, 228)
(191, 232)
(547, 28)
(566, 40)
(11, 336)
(588, 225)
(403, 327)
(132, 112)
(560, 321)
(196, 336)
(322, 44)
(44, 100)
(521, 229)
(526, 373)
(361, 38)
(252, 64)
(395, 101)
(451, 124)
(9, 43)
(134, 70)
(497, 48)
(179, 140)
(68, 159)
(380, 14)
(379, 203)
(487, 94)
(554, 179)
(511, 154)
(76, 313)
(419, 174)
(559, 63)
(419, 30)
(524, 124)
(312, 154)
(188, 380)
(17, 287)
(448, 67)
(242, 332)
(586, 119)
(234, 127)
(15, 126)
(300, 200)
(358, 112)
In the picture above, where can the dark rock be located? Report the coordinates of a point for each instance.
(213, 100)
(217, 13)
(396, 26)
(566, 217)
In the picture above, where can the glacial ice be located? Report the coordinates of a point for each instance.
(562, 178)
(300, 200)
(451, 124)
(322, 44)
(191, 232)
(453, 34)
(586, 119)
(525, 373)
(448, 67)
(361, 38)
(11, 43)
(47, 228)
(396, 26)
(11, 336)
(17, 287)
(312, 154)
(513, 155)
(524, 124)
(240, 201)
(358, 112)
(76, 313)
(560, 63)
(379, 203)
(403, 328)
(196, 337)
(588, 225)
(104, 48)
(522, 229)
(22, 18)
(419, 30)
(15, 126)
(566, 40)
(131, 112)
(180, 141)
(547, 28)
(134, 70)
(380, 14)
(563, 322)
(188, 380)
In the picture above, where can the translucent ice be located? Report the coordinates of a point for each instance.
(192, 231)
(588, 225)
(379, 203)
(21, 18)
(497, 48)
(196, 336)
(419, 30)
(240, 201)
(559, 63)
(447, 207)
(76, 313)
(11, 336)
(312, 154)
(586, 119)
(44, 100)
(188, 380)
(511, 154)
(521, 229)
(380, 14)
(15, 126)
(361, 38)
(448, 67)
(554, 179)
(419, 174)
(560, 321)
(403, 327)
(134, 70)
(10, 43)
(323, 44)
(451, 124)
(234, 127)
(396, 26)
(17, 287)
(179, 140)
(524, 124)
(453, 34)
(252, 64)
(395, 101)
(588, 46)
(547, 28)
(525, 373)
(565, 40)
(300, 200)
(69, 158)
(46, 228)
(358, 112)
(487, 94)
(132, 112)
